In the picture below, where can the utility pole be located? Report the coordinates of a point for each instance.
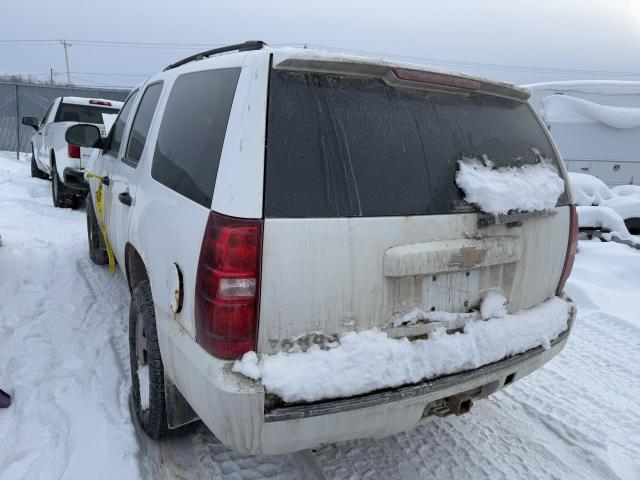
(66, 44)
(51, 76)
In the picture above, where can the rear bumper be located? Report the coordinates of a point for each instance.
(233, 407)
(74, 178)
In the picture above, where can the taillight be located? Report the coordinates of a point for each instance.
(227, 286)
(435, 78)
(572, 247)
(73, 151)
(99, 102)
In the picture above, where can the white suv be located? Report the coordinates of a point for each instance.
(53, 157)
(272, 209)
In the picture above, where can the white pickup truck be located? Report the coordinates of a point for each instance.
(304, 264)
(52, 157)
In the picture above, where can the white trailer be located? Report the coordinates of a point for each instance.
(596, 125)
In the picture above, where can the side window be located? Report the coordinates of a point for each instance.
(141, 123)
(44, 119)
(115, 137)
(192, 132)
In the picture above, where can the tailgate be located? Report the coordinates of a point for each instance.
(363, 219)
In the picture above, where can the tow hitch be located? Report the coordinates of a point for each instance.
(459, 404)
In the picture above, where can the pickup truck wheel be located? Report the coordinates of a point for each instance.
(97, 248)
(147, 370)
(35, 170)
(61, 198)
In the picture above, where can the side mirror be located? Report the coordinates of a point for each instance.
(84, 135)
(30, 121)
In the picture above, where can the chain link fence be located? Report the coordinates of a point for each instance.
(20, 100)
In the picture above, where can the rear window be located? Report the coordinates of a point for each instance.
(192, 133)
(340, 146)
(69, 112)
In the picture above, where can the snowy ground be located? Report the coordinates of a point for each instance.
(63, 356)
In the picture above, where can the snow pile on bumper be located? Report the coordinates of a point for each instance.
(527, 188)
(365, 361)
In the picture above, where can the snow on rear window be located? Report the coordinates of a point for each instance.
(341, 146)
(525, 188)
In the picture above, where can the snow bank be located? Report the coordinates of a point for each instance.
(370, 360)
(568, 109)
(624, 190)
(588, 190)
(591, 191)
(498, 190)
(600, 217)
(606, 218)
(627, 206)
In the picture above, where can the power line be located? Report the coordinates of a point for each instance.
(428, 60)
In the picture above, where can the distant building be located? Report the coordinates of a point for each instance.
(595, 124)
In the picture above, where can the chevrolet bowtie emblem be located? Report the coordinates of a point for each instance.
(468, 257)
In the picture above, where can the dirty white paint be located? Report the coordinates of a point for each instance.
(328, 275)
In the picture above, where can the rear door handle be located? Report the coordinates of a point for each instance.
(125, 198)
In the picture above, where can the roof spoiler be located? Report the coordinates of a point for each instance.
(410, 76)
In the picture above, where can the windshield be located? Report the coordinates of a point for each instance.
(340, 146)
(69, 112)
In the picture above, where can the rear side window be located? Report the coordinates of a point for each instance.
(69, 112)
(118, 127)
(340, 146)
(142, 122)
(192, 132)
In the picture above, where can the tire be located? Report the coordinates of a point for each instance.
(61, 198)
(633, 225)
(144, 350)
(97, 247)
(35, 170)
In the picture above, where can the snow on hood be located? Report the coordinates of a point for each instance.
(625, 206)
(527, 188)
(624, 190)
(369, 360)
(568, 109)
(588, 190)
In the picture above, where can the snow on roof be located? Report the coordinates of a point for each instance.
(604, 87)
(284, 53)
(568, 109)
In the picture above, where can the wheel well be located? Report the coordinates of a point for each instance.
(135, 267)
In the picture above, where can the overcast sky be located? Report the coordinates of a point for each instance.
(494, 38)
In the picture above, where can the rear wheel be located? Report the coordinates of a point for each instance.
(35, 170)
(97, 247)
(61, 198)
(147, 370)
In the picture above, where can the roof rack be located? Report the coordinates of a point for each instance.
(241, 47)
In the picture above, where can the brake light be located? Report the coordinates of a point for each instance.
(227, 286)
(572, 247)
(436, 78)
(99, 102)
(73, 151)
